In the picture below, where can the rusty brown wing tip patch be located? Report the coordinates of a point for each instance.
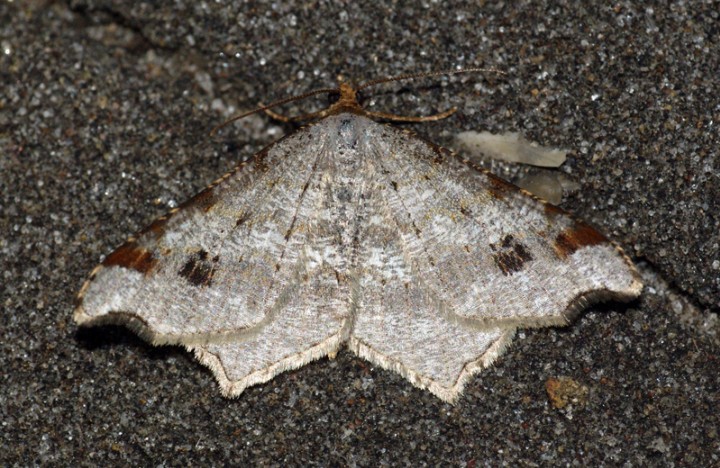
(576, 237)
(132, 256)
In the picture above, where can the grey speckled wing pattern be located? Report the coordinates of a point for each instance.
(349, 232)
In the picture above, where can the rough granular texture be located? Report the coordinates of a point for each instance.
(104, 117)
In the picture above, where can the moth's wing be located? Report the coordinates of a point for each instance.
(399, 322)
(313, 323)
(224, 263)
(318, 316)
(455, 258)
(402, 325)
(490, 252)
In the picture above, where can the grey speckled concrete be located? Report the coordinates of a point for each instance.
(104, 113)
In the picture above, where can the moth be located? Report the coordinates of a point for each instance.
(352, 233)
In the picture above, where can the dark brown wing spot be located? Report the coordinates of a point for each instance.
(507, 241)
(418, 231)
(242, 219)
(510, 255)
(132, 256)
(572, 239)
(198, 270)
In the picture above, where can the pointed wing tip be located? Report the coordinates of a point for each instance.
(448, 394)
(228, 388)
(80, 317)
(452, 394)
(636, 287)
(233, 388)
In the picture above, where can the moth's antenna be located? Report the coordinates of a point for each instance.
(412, 76)
(348, 99)
(275, 104)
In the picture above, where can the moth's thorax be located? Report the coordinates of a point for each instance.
(346, 131)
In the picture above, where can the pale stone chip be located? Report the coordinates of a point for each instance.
(511, 147)
(545, 185)
(352, 233)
